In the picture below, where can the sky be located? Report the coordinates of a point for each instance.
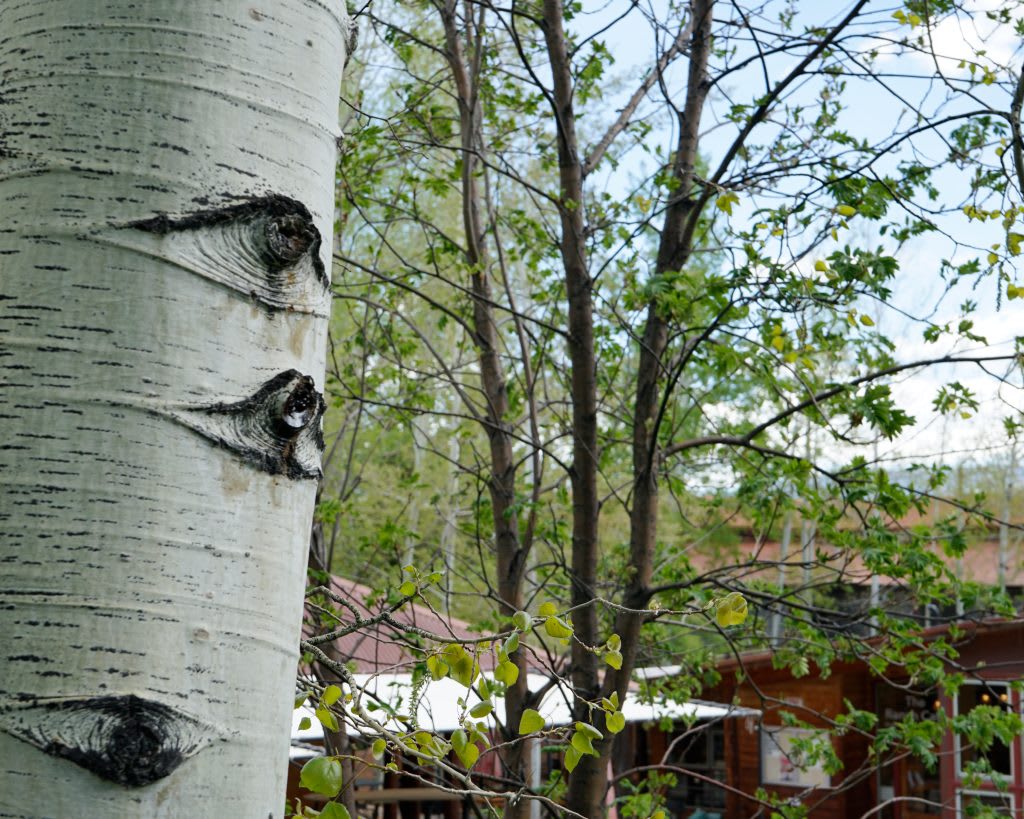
(918, 290)
(970, 36)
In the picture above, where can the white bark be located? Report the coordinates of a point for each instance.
(166, 171)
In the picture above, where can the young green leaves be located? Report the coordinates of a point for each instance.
(531, 721)
(322, 775)
(554, 625)
(730, 610)
(612, 655)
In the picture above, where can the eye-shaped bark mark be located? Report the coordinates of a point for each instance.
(123, 739)
(277, 429)
(266, 249)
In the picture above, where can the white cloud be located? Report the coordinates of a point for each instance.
(959, 38)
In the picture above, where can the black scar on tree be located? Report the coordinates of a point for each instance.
(123, 739)
(288, 229)
(277, 429)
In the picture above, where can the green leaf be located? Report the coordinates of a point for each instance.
(589, 730)
(507, 672)
(437, 667)
(378, 748)
(548, 609)
(463, 666)
(1013, 241)
(335, 810)
(614, 659)
(726, 201)
(327, 719)
(731, 610)
(459, 740)
(558, 628)
(303, 696)
(615, 722)
(572, 759)
(304, 723)
(322, 775)
(521, 620)
(331, 695)
(530, 722)
(582, 743)
(614, 642)
(511, 644)
(481, 709)
(407, 589)
(846, 210)
(469, 754)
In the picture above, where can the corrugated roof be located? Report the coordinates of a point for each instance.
(380, 647)
(444, 703)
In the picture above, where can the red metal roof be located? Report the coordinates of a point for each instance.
(380, 647)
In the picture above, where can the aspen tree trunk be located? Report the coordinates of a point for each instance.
(166, 176)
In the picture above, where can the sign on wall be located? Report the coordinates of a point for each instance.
(782, 760)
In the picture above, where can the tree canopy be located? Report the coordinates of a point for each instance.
(614, 284)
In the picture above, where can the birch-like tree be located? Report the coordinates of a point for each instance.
(166, 196)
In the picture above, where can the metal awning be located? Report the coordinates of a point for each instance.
(440, 710)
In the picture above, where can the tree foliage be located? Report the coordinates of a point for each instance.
(613, 283)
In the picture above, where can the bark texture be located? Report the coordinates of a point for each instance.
(510, 549)
(165, 189)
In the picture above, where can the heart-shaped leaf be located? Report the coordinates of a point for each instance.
(731, 610)
(582, 743)
(327, 719)
(558, 628)
(531, 721)
(463, 666)
(469, 754)
(335, 810)
(481, 709)
(521, 620)
(437, 667)
(615, 722)
(507, 672)
(322, 775)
